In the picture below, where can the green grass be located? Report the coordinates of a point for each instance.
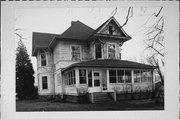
(37, 105)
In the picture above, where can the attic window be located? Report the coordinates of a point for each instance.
(111, 30)
(75, 52)
(98, 50)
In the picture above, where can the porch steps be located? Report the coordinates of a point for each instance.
(101, 97)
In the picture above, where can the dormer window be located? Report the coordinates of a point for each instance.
(111, 51)
(111, 30)
(76, 53)
(98, 52)
(43, 59)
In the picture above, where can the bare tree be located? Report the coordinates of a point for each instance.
(154, 41)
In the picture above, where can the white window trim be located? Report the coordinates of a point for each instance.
(71, 52)
(41, 61)
(47, 83)
(102, 47)
(117, 76)
(108, 50)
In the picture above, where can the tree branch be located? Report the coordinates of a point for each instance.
(156, 15)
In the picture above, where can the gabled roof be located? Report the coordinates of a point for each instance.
(110, 63)
(98, 30)
(41, 40)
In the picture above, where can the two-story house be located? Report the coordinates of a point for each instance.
(82, 57)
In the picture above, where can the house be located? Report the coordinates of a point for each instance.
(83, 59)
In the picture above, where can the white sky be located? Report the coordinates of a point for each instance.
(57, 20)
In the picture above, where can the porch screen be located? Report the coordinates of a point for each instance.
(44, 82)
(75, 52)
(82, 76)
(111, 51)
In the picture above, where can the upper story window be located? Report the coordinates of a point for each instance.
(44, 82)
(111, 30)
(98, 51)
(75, 52)
(111, 51)
(43, 59)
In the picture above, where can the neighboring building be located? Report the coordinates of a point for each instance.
(82, 57)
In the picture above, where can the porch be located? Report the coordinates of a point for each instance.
(79, 80)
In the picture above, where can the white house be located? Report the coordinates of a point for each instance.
(83, 58)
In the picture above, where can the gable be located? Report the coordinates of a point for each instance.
(113, 28)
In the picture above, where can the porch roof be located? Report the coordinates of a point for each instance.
(110, 63)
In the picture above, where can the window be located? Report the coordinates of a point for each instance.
(44, 82)
(111, 51)
(120, 76)
(111, 30)
(75, 52)
(142, 76)
(98, 53)
(90, 78)
(70, 78)
(137, 76)
(112, 76)
(82, 76)
(43, 59)
(127, 76)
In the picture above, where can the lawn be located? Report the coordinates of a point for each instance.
(37, 105)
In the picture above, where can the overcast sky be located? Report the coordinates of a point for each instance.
(57, 20)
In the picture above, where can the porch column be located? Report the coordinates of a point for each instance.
(77, 77)
(107, 74)
(132, 80)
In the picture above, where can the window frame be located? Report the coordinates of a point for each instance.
(85, 76)
(108, 50)
(95, 51)
(80, 57)
(70, 78)
(45, 58)
(124, 80)
(43, 82)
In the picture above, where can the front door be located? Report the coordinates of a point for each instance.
(96, 82)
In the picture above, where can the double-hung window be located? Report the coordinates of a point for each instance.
(82, 76)
(76, 53)
(111, 51)
(98, 50)
(44, 82)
